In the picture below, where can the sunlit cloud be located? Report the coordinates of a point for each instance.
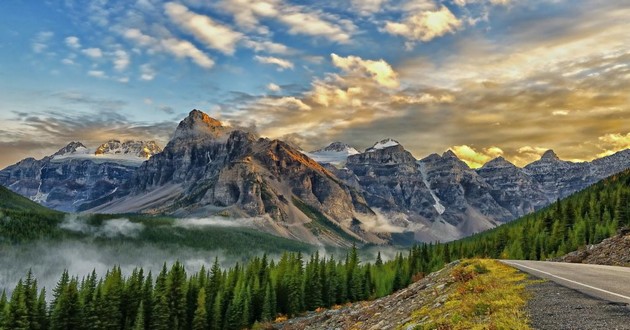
(379, 70)
(205, 29)
(178, 48)
(282, 64)
(425, 25)
(476, 158)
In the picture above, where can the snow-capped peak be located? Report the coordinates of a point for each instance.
(338, 147)
(335, 153)
(131, 153)
(73, 148)
(142, 149)
(386, 143)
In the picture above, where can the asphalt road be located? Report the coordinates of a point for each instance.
(609, 283)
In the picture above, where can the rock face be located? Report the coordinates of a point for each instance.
(512, 188)
(441, 198)
(391, 181)
(209, 169)
(74, 176)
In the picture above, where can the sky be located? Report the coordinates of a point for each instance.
(484, 78)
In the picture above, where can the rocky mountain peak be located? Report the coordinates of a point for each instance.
(549, 155)
(337, 147)
(498, 162)
(197, 124)
(142, 149)
(386, 143)
(72, 148)
(449, 154)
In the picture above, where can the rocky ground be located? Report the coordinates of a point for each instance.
(384, 313)
(613, 251)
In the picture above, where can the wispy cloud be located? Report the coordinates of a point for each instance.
(281, 63)
(205, 29)
(93, 52)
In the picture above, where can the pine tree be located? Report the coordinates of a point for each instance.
(30, 300)
(268, 304)
(379, 260)
(138, 323)
(17, 317)
(217, 312)
(42, 310)
(200, 319)
(147, 301)
(160, 313)
(176, 297)
(3, 308)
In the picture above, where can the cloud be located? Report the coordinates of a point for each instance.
(183, 48)
(476, 158)
(121, 60)
(612, 143)
(281, 63)
(78, 117)
(425, 25)
(147, 73)
(300, 20)
(379, 70)
(273, 87)
(178, 48)
(93, 52)
(73, 42)
(310, 23)
(560, 112)
(97, 74)
(40, 42)
(247, 12)
(368, 7)
(109, 228)
(204, 28)
(267, 46)
(167, 109)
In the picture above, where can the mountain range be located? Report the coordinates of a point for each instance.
(335, 195)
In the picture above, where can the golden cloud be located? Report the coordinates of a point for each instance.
(475, 158)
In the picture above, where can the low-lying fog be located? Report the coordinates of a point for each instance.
(113, 243)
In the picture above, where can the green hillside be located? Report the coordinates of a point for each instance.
(586, 217)
(12, 201)
(23, 220)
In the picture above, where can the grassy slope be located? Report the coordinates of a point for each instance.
(486, 294)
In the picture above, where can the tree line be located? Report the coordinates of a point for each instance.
(234, 298)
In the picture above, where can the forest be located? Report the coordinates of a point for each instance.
(262, 290)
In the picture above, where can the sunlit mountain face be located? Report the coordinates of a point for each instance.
(483, 78)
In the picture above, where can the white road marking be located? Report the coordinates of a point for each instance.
(568, 280)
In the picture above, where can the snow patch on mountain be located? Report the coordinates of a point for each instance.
(383, 144)
(438, 205)
(335, 153)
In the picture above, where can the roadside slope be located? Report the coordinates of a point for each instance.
(463, 295)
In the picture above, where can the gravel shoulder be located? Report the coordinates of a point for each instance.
(552, 306)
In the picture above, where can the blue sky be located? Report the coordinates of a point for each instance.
(481, 77)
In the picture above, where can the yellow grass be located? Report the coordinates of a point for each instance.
(486, 295)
